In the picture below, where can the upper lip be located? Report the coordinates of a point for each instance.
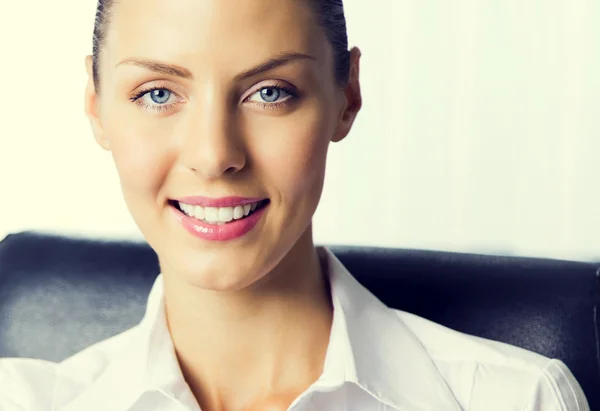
(218, 202)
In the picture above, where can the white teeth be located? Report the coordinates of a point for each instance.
(211, 214)
(226, 214)
(198, 212)
(238, 212)
(217, 215)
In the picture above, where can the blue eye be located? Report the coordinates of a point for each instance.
(160, 95)
(270, 94)
(157, 99)
(273, 96)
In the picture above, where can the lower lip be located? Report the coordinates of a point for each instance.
(226, 232)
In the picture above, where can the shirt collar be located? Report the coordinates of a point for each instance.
(146, 362)
(381, 354)
(369, 346)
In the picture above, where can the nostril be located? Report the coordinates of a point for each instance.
(232, 170)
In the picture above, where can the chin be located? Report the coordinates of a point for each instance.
(225, 269)
(222, 265)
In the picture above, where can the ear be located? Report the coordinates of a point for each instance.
(92, 107)
(352, 98)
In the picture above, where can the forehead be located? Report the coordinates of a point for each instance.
(219, 31)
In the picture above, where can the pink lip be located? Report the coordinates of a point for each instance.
(218, 202)
(212, 232)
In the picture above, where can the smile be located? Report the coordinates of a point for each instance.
(221, 219)
(220, 215)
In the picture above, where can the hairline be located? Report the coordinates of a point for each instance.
(105, 14)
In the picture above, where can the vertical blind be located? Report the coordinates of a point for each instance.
(480, 129)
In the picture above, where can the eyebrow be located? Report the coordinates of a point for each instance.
(178, 71)
(158, 67)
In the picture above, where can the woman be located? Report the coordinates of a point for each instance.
(218, 115)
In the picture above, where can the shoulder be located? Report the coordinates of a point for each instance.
(37, 385)
(447, 345)
(479, 371)
(27, 384)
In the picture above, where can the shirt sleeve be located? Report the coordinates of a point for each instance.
(557, 390)
(26, 385)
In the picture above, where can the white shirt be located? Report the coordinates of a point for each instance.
(378, 359)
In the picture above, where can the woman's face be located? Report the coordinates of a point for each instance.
(189, 126)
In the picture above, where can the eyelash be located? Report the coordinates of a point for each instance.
(293, 94)
(155, 107)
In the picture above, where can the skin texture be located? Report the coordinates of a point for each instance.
(250, 318)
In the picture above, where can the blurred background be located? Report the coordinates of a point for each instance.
(479, 133)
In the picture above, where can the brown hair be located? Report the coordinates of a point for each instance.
(330, 15)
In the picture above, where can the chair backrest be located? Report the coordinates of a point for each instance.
(59, 295)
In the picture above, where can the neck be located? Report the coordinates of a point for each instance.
(263, 343)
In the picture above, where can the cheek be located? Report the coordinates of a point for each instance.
(140, 151)
(293, 153)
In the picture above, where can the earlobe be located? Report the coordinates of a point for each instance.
(91, 105)
(352, 96)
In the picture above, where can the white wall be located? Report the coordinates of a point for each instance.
(479, 132)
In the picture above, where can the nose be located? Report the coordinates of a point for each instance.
(212, 143)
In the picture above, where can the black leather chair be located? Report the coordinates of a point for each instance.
(59, 295)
